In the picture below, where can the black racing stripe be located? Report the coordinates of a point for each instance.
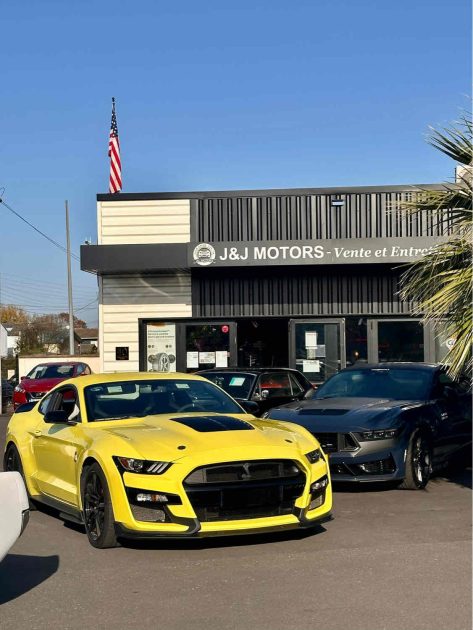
(206, 424)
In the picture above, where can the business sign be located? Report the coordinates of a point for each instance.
(327, 252)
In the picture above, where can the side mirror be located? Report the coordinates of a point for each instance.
(450, 393)
(57, 417)
(250, 406)
(22, 378)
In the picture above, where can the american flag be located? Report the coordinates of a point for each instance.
(115, 184)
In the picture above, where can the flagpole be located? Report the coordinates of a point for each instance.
(69, 284)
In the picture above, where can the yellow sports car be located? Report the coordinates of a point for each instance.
(153, 455)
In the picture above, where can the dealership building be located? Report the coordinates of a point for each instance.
(306, 278)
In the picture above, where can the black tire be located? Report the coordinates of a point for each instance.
(12, 461)
(418, 462)
(97, 508)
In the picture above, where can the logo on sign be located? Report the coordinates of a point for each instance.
(204, 254)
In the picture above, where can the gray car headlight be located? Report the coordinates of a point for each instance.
(141, 466)
(379, 434)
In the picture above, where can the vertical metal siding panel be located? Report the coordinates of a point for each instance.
(316, 217)
(315, 293)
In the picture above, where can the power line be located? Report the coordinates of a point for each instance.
(83, 308)
(39, 292)
(28, 279)
(51, 240)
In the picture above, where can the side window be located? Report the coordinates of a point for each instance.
(67, 400)
(297, 388)
(277, 384)
(87, 369)
(80, 369)
(44, 404)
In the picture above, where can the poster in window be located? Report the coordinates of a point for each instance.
(312, 367)
(221, 358)
(161, 347)
(192, 360)
(310, 339)
(207, 358)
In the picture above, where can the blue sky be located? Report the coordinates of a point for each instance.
(211, 96)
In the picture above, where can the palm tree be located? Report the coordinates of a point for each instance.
(440, 284)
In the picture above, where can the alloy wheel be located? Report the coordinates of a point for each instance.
(421, 460)
(94, 505)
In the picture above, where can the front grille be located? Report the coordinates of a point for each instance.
(243, 471)
(335, 442)
(340, 469)
(378, 467)
(153, 514)
(244, 490)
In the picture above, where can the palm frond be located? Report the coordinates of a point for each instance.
(439, 286)
(455, 141)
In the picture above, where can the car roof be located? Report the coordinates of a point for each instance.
(430, 367)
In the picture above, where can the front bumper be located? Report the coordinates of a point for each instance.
(308, 509)
(373, 462)
(195, 529)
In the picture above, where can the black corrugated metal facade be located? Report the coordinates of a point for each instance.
(310, 216)
(293, 292)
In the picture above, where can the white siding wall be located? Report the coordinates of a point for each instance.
(138, 222)
(125, 299)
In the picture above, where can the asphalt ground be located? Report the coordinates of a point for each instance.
(390, 560)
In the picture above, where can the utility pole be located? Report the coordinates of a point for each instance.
(69, 284)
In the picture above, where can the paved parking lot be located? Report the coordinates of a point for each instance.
(390, 560)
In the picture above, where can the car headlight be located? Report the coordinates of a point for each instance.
(19, 388)
(379, 434)
(141, 466)
(314, 456)
(320, 485)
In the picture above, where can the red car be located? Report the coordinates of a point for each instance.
(44, 377)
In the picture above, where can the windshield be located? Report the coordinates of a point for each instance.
(237, 384)
(397, 384)
(132, 399)
(51, 371)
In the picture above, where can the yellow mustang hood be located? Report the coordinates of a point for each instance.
(172, 437)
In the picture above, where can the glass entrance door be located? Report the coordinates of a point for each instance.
(317, 347)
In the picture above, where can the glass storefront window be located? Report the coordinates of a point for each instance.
(400, 341)
(207, 346)
(356, 331)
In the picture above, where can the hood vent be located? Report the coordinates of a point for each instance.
(314, 411)
(207, 424)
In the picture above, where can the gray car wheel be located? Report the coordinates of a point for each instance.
(418, 462)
